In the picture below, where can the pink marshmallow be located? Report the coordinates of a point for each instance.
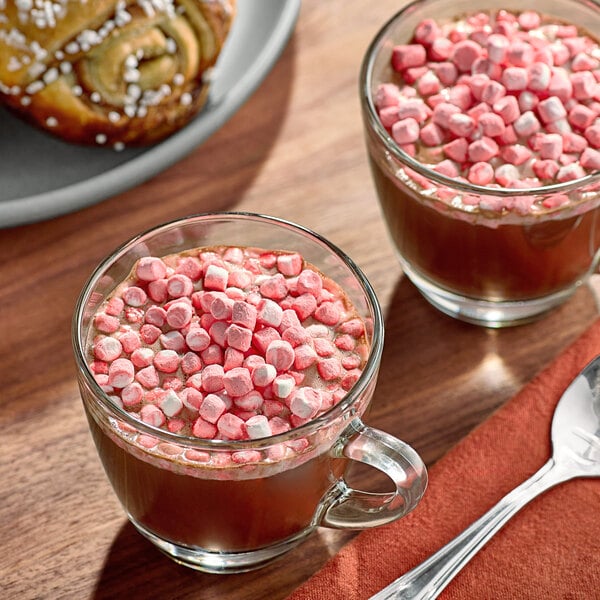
(408, 55)
(481, 173)
(280, 354)
(405, 131)
(465, 53)
(152, 415)
(508, 108)
(482, 150)
(150, 268)
(179, 285)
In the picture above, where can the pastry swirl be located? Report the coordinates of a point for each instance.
(125, 72)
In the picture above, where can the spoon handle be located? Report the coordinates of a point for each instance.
(427, 580)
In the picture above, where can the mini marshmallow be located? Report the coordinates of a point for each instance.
(387, 95)
(263, 375)
(551, 146)
(520, 54)
(134, 296)
(447, 168)
(156, 315)
(148, 377)
(231, 427)
(305, 356)
(114, 306)
(251, 401)
(431, 135)
(457, 150)
(592, 135)
(166, 361)
(492, 91)
(132, 394)
(197, 339)
(238, 337)
(442, 113)
(258, 427)
(152, 415)
(405, 131)
(171, 404)
(280, 354)
(211, 408)
(481, 173)
(172, 340)
(465, 53)
(527, 124)
(304, 305)
(491, 124)
(212, 355)
(584, 85)
(516, 78)
(149, 333)
(329, 368)
(274, 288)
(560, 85)
(328, 313)
(580, 116)
(263, 337)
(408, 55)
(179, 315)
(515, 154)
(570, 172)
(539, 75)
(508, 108)
(497, 46)
(150, 268)
(107, 349)
(428, 84)
(283, 385)
(545, 169)
(461, 125)
(179, 285)
(305, 403)
(203, 429)
(212, 378)
(590, 159)
(289, 264)
(106, 323)
(232, 358)
(482, 150)
(221, 307)
(192, 398)
(121, 373)
(215, 278)
(237, 382)
(411, 108)
(528, 100)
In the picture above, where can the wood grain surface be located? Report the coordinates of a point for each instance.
(294, 150)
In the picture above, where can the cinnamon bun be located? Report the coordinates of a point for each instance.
(113, 72)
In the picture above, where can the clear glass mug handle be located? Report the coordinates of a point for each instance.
(347, 508)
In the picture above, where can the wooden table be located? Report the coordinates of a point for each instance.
(294, 150)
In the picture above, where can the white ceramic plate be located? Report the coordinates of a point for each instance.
(43, 177)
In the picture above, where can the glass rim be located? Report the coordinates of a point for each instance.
(367, 375)
(373, 121)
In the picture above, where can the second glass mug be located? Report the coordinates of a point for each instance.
(222, 519)
(487, 265)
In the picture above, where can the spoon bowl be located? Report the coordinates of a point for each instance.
(575, 435)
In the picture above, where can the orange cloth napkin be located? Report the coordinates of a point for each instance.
(549, 550)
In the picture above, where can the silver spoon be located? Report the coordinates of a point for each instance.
(575, 453)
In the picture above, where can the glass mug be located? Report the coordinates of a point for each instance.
(486, 266)
(182, 493)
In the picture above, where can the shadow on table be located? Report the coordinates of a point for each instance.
(134, 569)
(434, 366)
